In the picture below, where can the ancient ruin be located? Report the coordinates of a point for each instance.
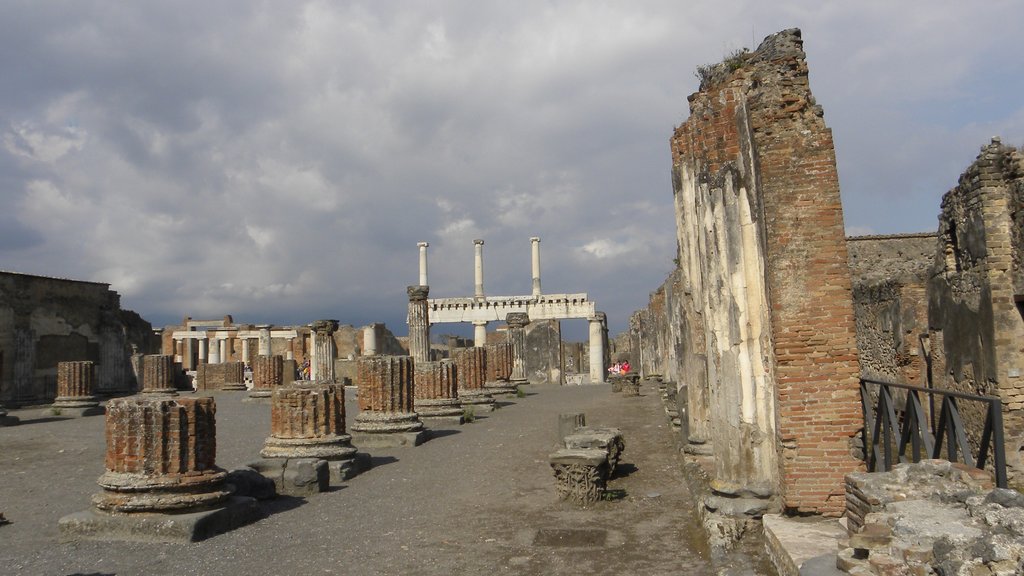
(267, 375)
(499, 370)
(308, 447)
(387, 416)
(45, 321)
(76, 390)
(161, 482)
(159, 374)
(437, 393)
(471, 369)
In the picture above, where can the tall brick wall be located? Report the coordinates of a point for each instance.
(757, 322)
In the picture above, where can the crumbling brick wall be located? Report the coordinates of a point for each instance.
(975, 319)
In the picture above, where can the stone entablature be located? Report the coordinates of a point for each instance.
(495, 309)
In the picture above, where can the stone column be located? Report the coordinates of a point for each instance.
(472, 372)
(370, 340)
(202, 350)
(499, 369)
(225, 351)
(535, 253)
(423, 262)
(479, 334)
(264, 341)
(419, 323)
(307, 420)
(178, 353)
(245, 351)
(159, 374)
(437, 392)
(597, 368)
(478, 269)
(321, 365)
(386, 411)
(162, 481)
(267, 374)
(213, 355)
(517, 322)
(76, 389)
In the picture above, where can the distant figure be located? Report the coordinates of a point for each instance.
(625, 367)
(304, 372)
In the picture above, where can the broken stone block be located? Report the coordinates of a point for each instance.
(581, 475)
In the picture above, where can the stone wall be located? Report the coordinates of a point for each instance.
(544, 352)
(757, 322)
(44, 321)
(976, 323)
(890, 275)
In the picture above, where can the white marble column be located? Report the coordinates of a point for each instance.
(265, 348)
(245, 350)
(178, 345)
(423, 262)
(214, 351)
(535, 253)
(202, 350)
(478, 269)
(479, 334)
(597, 368)
(370, 340)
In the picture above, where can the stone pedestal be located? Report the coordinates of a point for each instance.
(234, 376)
(499, 370)
(76, 386)
(437, 393)
(307, 420)
(386, 414)
(6, 419)
(267, 374)
(471, 369)
(517, 322)
(159, 374)
(161, 481)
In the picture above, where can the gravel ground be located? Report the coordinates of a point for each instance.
(477, 499)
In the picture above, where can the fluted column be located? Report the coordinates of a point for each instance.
(202, 350)
(76, 389)
(597, 367)
(308, 421)
(159, 373)
(386, 403)
(479, 334)
(267, 374)
(264, 341)
(517, 322)
(472, 374)
(499, 360)
(419, 323)
(161, 456)
(437, 392)
(370, 340)
(322, 363)
(234, 376)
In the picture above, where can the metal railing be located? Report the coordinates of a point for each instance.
(887, 437)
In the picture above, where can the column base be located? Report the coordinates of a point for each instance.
(436, 410)
(478, 400)
(295, 476)
(259, 395)
(160, 392)
(329, 448)
(77, 411)
(501, 388)
(234, 387)
(389, 439)
(93, 524)
(443, 421)
(698, 448)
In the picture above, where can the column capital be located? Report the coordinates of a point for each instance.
(417, 293)
(423, 244)
(479, 322)
(478, 242)
(598, 317)
(535, 239)
(328, 326)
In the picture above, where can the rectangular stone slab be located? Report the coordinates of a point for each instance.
(93, 524)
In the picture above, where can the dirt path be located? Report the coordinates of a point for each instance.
(478, 500)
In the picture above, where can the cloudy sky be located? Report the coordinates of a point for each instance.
(278, 161)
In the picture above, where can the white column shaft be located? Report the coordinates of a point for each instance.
(479, 334)
(478, 268)
(423, 263)
(535, 242)
(596, 352)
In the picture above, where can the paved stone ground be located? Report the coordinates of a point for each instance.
(479, 499)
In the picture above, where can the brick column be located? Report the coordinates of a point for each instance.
(437, 392)
(159, 374)
(517, 322)
(76, 388)
(267, 374)
(386, 411)
(307, 420)
(161, 456)
(322, 363)
(499, 369)
(234, 376)
(472, 372)
(419, 323)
